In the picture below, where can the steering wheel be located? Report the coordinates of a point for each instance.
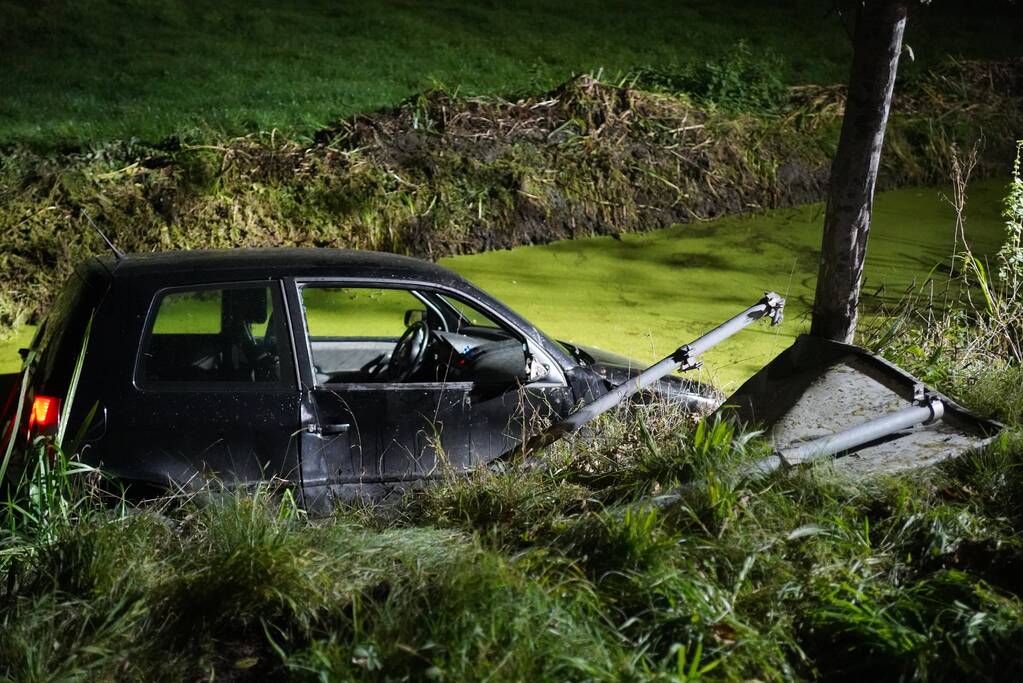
(409, 352)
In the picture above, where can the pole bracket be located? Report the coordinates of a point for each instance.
(684, 357)
(774, 306)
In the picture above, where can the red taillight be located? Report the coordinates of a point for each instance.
(45, 414)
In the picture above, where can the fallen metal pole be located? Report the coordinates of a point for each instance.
(684, 358)
(929, 410)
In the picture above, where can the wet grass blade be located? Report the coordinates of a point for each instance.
(73, 385)
(18, 414)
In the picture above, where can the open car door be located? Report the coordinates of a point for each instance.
(405, 383)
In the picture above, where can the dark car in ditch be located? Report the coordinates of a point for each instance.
(344, 372)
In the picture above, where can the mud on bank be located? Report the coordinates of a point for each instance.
(442, 175)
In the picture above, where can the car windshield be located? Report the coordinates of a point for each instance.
(465, 316)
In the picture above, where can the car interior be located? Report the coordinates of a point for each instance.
(213, 335)
(356, 335)
(363, 335)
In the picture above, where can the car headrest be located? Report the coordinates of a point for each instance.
(246, 305)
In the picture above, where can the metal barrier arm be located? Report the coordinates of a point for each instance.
(686, 357)
(929, 409)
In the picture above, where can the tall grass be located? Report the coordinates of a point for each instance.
(564, 571)
(533, 575)
(969, 337)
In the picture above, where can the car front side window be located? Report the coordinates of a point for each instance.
(353, 331)
(367, 334)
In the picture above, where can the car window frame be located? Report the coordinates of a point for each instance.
(289, 379)
(456, 313)
(308, 372)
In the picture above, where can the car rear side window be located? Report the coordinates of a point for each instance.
(215, 335)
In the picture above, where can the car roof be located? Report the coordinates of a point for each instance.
(179, 268)
(221, 264)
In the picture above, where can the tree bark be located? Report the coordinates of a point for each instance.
(877, 43)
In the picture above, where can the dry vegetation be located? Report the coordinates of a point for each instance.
(442, 174)
(560, 572)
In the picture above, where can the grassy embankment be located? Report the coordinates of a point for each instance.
(441, 174)
(444, 175)
(79, 74)
(564, 572)
(91, 71)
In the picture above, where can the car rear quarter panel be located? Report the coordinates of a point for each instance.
(185, 433)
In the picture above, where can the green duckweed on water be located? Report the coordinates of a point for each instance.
(644, 294)
(9, 359)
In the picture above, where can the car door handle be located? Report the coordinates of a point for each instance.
(328, 430)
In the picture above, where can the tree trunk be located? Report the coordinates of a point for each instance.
(877, 42)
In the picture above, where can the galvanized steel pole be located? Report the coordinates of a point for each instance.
(684, 358)
(930, 410)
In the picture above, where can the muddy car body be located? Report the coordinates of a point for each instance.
(344, 372)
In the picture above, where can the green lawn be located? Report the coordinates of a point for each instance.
(97, 70)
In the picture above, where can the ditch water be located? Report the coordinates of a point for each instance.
(645, 294)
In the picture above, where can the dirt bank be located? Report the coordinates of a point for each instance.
(444, 175)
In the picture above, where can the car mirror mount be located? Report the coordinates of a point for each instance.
(535, 370)
(413, 316)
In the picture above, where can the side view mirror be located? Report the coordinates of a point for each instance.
(414, 316)
(501, 364)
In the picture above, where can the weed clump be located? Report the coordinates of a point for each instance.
(738, 81)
